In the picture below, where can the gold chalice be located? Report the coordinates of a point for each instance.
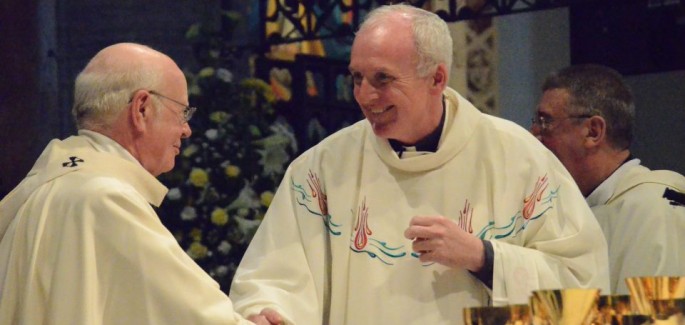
(610, 309)
(502, 315)
(661, 297)
(564, 306)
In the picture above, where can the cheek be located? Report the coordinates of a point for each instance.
(551, 143)
(564, 147)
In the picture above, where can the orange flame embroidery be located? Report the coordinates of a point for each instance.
(536, 196)
(361, 227)
(465, 217)
(315, 186)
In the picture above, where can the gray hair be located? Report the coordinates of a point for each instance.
(101, 93)
(432, 38)
(598, 90)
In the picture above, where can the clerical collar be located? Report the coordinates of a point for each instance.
(427, 144)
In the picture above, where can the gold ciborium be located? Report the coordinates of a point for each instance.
(661, 297)
(611, 309)
(564, 306)
(502, 315)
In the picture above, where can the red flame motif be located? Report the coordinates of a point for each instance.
(315, 186)
(361, 227)
(465, 217)
(536, 196)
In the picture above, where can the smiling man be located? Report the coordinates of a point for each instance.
(425, 207)
(79, 241)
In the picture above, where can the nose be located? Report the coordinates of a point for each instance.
(536, 130)
(186, 131)
(365, 93)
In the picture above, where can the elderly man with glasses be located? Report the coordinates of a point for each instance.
(79, 241)
(585, 117)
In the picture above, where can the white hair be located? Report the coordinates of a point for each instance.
(101, 93)
(432, 38)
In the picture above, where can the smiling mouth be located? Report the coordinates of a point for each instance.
(380, 110)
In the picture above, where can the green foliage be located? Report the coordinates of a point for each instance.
(229, 169)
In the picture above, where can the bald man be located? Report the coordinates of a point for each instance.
(79, 241)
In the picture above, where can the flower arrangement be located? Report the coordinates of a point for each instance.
(229, 169)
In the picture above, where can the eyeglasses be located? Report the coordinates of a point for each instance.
(545, 122)
(188, 111)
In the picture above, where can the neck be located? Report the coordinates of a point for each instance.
(427, 143)
(599, 168)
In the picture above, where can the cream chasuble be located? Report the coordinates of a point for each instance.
(642, 214)
(80, 244)
(331, 248)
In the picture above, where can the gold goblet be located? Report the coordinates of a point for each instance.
(661, 297)
(612, 308)
(564, 306)
(502, 315)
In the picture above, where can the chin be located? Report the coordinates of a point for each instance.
(164, 169)
(384, 131)
(168, 168)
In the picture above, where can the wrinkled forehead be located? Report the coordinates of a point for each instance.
(382, 47)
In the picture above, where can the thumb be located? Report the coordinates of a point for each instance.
(272, 316)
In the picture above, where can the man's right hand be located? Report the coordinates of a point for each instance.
(267, 316)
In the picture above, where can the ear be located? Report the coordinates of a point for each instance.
(596, 131)
(439, 79)
(140, 111)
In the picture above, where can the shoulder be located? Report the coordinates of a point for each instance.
(639, 180)
(87, 188)
(514, 145)
(641, 188)
(511, 133)
(342, 142)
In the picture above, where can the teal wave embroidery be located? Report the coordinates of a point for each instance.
(514, 227)
(304, 198)
(382, 248)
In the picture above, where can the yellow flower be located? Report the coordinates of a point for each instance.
(199, 177)
(219, 217)
(218, 117)
(261, 86)
(196, 234)
(266, 197)
(197, 250)
(206, 72)
(190, 150)
(194, 89)
(232, 171)
(270, 96)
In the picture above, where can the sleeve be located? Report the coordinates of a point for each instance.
(646, 235)
(276, 270)
(129, 268)
(485, 273)
(563, 248)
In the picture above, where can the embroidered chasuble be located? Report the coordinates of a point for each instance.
(642, 214)
(80, 244)
(331, 248)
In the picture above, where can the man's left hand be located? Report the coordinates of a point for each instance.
(440, 240)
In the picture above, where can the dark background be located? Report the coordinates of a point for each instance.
(44, 44)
